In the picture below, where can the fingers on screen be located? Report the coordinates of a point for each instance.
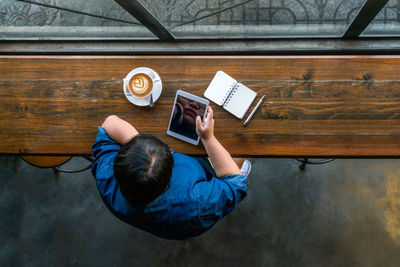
(198, 122)
(210, 113)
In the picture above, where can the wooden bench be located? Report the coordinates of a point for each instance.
(316, 106)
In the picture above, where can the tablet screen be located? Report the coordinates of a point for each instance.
(184, 115)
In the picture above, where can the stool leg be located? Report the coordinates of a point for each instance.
(56, 175)
(305, 161)
(302, 166)
(88, 158)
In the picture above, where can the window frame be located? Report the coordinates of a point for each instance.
(166, 44)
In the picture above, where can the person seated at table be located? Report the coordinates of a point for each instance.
(168, 194)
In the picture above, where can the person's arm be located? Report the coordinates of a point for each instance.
(119, 130)
(220, 158)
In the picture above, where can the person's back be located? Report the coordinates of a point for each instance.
(166, 193)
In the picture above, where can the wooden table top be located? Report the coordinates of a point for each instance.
(315, 106)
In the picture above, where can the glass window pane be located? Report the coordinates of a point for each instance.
(213, 19)
(387, 22)
(20, 20)
(257, 18)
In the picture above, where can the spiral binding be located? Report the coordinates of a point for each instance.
(230, 94)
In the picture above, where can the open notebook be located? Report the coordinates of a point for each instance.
(227, 92)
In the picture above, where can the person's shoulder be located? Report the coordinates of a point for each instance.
(186, 172)
(182, 161)
(186, 160)
(104, 152)
(105, 168)
(223, 188)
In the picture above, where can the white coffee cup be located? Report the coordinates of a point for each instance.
(135, 86)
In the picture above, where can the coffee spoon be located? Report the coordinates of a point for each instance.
(151, 101)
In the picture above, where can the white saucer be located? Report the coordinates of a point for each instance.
(157, 87)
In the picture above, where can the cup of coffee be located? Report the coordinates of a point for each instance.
(140, 85)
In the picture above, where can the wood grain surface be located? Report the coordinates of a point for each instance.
(343, 106)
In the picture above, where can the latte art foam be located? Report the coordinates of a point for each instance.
(140, 85)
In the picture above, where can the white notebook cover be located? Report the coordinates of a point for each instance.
(219, 87)
(240, 101)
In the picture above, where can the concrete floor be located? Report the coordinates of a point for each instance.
(345, 213)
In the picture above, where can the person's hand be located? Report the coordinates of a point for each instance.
(206, 129)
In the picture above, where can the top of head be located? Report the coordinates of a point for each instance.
(143, 168)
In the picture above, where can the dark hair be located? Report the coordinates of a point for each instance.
(143, 168)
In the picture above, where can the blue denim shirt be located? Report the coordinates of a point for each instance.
(189, 206)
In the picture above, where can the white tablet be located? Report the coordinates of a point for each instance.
(182, 124)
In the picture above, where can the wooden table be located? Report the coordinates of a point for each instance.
(344, 106)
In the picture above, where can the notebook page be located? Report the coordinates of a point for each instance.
(219, 87)
(240, 100)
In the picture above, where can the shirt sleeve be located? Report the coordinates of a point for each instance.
(104, 151)
(219, 196)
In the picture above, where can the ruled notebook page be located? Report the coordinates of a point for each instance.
(220, 87)
(240, 100)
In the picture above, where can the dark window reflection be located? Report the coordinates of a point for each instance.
(184, 118)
